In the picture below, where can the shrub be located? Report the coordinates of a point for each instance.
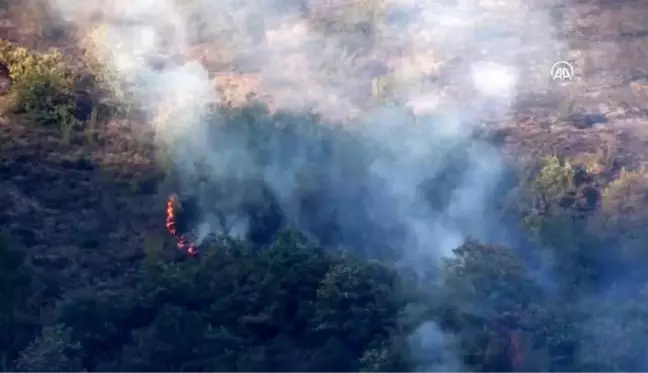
(555, 178)
(623, 217)
(42, 85)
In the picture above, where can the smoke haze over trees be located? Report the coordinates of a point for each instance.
(279, 301)
(359, 224)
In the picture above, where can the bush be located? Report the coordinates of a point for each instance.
(555, 178)
(293, 306)
(622, 218)
(42, 85)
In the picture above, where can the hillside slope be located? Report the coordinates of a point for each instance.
(366, 228)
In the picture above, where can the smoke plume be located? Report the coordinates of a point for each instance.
(433, 350)
(418, 183)
(291, 48)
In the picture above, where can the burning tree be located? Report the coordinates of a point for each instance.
(176, 227)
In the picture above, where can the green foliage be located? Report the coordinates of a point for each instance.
(387, 357)
(621, 219)
(490, 294)
(491, 278)
(53, 350)
(16, 287)
(613, 338)
(292, 306)
(556, 177)
(356, 303)
(43, 85)
(563, 200)
(13, 278)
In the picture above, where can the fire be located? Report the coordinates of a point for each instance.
(184, 243)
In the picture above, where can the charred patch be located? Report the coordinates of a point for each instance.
(5, 79)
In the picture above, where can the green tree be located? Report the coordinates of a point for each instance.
(18, 317)
(613, 336)
(54, 350)
(43, 85)
(101, 321)
(291, 306)
(356, 303)
(491, 295)
(563, 201)
(489, 279)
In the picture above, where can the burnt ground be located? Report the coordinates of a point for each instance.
(89, 206)
(85, 207)
(607, 42)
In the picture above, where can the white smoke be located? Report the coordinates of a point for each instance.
(433, 350)
(464, 59)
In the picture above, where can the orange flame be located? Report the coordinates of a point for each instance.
(184, 243)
